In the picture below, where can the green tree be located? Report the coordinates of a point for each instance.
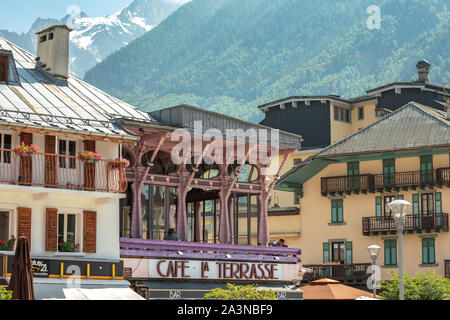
(423, 286)
(5, 294)
(235, 292)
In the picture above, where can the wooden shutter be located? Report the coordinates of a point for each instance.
(50, 161)
(326, 252)
(26, 163)
(4, 68)
(428, 251)
(89, 231)
(89, 168)
(348, 252)
(378, 208)
(24, 223)
(51, 229)
(340, 210)
(333, 210)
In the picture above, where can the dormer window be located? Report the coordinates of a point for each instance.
(8, 71)
(43, 38)
(4, 62)
(50, 36)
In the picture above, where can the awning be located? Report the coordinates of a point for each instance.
(196, 290)
(81, 289)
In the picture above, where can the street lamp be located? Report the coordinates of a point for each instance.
(373, 250)
(399, 209)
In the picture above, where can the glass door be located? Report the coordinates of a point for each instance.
(427, 210)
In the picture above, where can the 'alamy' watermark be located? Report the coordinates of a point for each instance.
(212, 146)
(374, 19)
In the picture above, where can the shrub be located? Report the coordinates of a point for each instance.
(236, 292)
(5, 294)
(428, 286)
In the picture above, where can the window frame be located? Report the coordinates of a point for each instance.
(10, 218)
(78, 227)
(361, 113)
(63, 162)
(390, 250)
(2, 146)
(337, 204)
(428, 244)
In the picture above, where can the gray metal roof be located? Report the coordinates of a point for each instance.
(43, 101)
(413, 126)
(184, 116)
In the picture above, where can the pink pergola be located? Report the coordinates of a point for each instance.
(157, 139)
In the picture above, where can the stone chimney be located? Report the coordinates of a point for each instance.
(53, 50)
(423, 68)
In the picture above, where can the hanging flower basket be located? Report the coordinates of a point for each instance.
(89, 156)
(121, 163)
(24, 150)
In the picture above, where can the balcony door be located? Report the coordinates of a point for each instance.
(389, 172)
(387, 211)
(426, 169)
(427, 209)
(353, 173)
(6, 172)
(67, 173)
(338, 253)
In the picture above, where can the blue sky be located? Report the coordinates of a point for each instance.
(19, 15)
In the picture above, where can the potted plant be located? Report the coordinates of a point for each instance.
(68, 246)
(8, 245)
(89, 156)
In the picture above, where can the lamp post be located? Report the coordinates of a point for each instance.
(373, 250)
(399, 209)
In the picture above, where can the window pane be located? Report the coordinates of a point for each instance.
(7, 145)
(60, 228)
(4, 226)
(72, 152)
(71, 219)
(62, 151)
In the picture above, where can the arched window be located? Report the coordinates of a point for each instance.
(162, 164)
(248, 173)
(204, 170)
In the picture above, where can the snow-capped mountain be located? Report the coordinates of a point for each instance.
(94, 38)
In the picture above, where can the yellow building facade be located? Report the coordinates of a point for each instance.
(346, 187)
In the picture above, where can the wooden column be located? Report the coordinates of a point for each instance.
(182, 226)
(136, 210)
(198, 221)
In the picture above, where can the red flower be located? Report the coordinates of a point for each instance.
(1, 242)
(60, 244)
(12, 236)
(12, 245)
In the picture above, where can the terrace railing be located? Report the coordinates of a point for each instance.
(412, 222)
(340, 272)
(205, 251)
(365, 182)
(62, 172)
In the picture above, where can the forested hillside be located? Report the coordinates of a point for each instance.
(232, 55)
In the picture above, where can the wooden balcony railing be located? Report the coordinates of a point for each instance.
(61, 171)
(340, 272)
(365, 182)
(195, 250)
(412, 222)
(447, 268)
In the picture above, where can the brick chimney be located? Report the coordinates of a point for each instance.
(423, 68)
(53, 50)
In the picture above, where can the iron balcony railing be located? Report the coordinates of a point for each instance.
(412, 222)
(360, 182)
(62, 171)
(340, 272)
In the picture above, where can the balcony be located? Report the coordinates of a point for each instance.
(62, 172)
(377, 182)
(340, 272)
(418, 223)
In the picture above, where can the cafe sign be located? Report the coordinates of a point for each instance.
(214, 270)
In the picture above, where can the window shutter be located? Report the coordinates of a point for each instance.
(431, 258)
(333, 211)
(24, 223)
(415, 199)
(26, 137)
(50, 161)
(51, 229)
(424, 251)
(378, 209)
(326, 252)
(438, 202)
(340, 210)
(89, 231)
(26, 163)
(89, 145)
(89, 168)
(348, 252)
